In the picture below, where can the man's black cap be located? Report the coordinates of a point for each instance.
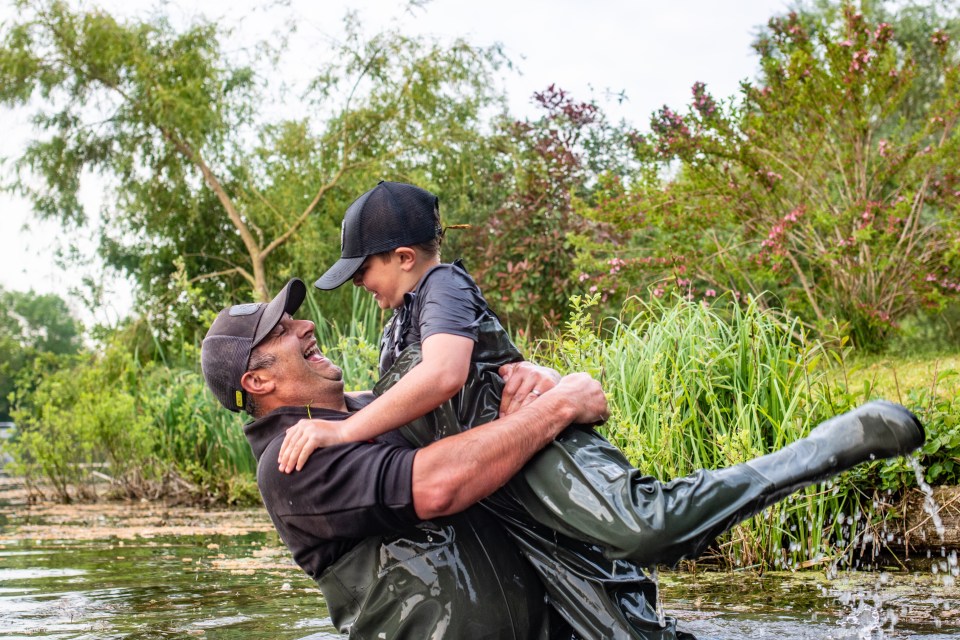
(225, 352)
(391, 215)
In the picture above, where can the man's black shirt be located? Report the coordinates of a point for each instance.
(345, 493)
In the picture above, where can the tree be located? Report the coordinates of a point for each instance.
(524, 248)
(36, 330)
(209, 197)
(833, 183)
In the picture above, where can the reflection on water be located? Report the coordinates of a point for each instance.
(108, 572)
(157, 588)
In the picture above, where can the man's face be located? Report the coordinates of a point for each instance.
(301, 372)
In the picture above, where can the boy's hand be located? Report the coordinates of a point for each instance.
(304, 438)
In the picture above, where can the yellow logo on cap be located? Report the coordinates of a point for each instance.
(240, 399)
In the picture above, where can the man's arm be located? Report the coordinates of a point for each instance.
(453, 473)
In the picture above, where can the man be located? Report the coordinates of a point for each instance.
(384, 529)
(388, 531)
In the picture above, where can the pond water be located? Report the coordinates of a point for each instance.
(145, 571)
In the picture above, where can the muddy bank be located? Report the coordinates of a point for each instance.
(914, 532)
(46, 520)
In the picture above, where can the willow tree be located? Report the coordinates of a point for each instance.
(204, 186)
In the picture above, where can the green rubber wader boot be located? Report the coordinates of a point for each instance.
(651, 522)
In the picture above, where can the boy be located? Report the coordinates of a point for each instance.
(393, 235)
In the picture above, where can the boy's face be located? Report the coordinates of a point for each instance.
(384, 278)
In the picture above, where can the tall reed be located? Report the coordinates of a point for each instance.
(697, 387)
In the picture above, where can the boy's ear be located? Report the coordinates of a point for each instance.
(408, 257)
(258, 382)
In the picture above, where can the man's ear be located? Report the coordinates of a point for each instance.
(407, 256)
(258, 382)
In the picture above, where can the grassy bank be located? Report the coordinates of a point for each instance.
(704, 387)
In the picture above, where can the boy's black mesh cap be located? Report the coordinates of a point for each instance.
(225, 352)
(391, 215)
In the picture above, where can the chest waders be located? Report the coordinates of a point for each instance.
(443, 580)
(588, 521)
(601, 598)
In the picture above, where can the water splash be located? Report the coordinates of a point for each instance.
(869, 617)
(929, 504)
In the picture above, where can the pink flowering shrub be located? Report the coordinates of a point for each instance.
(832, 184)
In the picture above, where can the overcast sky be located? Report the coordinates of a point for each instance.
(652, 51)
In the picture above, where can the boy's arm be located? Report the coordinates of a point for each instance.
(307, 435)
(441, 373)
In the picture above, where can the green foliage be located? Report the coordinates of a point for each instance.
(35, 330)
(693, 387)
(931, 395)
(521, 254)
(941, 453)
(197, 438)
(831, 183)
(205, 186)
(151, 426)
(83, 417)
(150, 429)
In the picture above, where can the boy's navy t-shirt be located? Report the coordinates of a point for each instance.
(446, 300)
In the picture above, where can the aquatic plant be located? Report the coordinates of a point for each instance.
(705, 386)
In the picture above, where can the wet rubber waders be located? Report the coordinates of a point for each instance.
(456, 577)
(588, 521)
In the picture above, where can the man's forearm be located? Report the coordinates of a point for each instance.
(455, 472)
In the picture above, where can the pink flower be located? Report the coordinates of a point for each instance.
(710, 293)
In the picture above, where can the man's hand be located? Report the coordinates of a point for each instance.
(304, 438)
(524, 382)
(589, 402)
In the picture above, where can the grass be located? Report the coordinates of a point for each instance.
(893, 377)
(704, 387)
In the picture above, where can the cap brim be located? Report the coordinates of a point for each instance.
(287, 301)
(342, 270)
